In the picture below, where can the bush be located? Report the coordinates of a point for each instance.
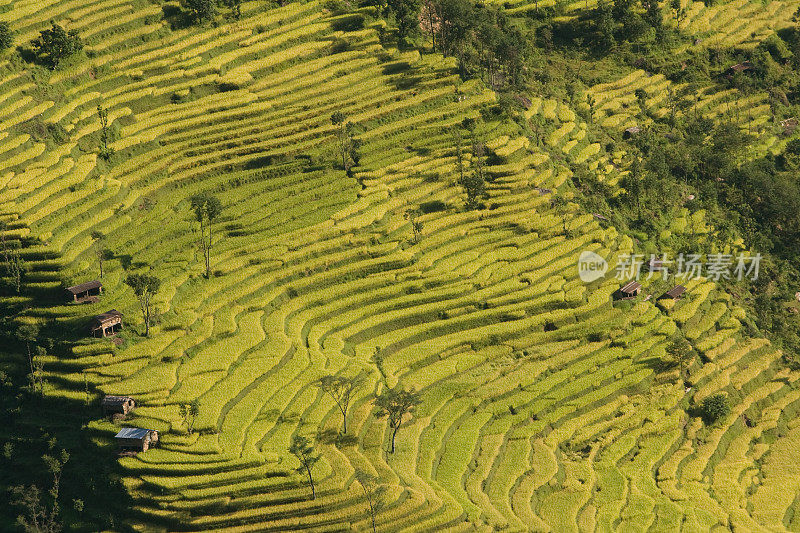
(715, 407)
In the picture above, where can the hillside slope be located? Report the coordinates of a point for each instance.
(544, 406)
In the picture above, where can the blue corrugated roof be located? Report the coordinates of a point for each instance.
(132, 433)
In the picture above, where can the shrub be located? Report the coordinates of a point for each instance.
(715, 407)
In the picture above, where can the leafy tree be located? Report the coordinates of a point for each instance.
(6, 36)
(41, 516)
(100, 251)
(37, 378)
(29, 333)
(374, 493)
(394, 404)
(681, 352)
(715, 407)
(348, 144)
(202, 10)
(474, 182)
(235, 7)
(641, 100)
(54, 45)
(144, 287)
(605, 25)
(406, 14)
(458, 143)
(591, 103)
(563, 209)
(189, 413)
(105, 151)
(416, 226)
(14, 265)
(207, 209)
(341, 389)
(302, 448)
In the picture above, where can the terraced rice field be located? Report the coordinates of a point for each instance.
(617, 107)
(544, 406)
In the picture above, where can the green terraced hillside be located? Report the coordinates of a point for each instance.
(544, 406)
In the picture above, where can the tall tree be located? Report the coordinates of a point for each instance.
(406, 14)
(681, 352)
(458, 144)
(41, 516)
(302, 448)
(100, 251)
(394, 404)
(189, 413)
(54, 45)
(202, 10)
(6, 36)
(373, 492)
(28, 333)
(13, 263)
(604, 20)
(347, 143)
(145, 287)
(341, 389)
(105, 151)
(416, 225)
(207, 209)
(235, 7)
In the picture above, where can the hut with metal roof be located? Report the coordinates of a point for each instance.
(136, 439)
(88, 292)
(674, 293)
(117, 405)
(106, 324)
(630, 290)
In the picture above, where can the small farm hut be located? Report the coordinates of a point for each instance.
(630, 132)
(136, 439)
(630, 290)
(674, 293)
(113, 405)
(88, 292)
(106, 324)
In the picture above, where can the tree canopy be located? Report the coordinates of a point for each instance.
(54, 45)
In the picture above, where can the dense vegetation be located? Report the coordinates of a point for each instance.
(344, 236)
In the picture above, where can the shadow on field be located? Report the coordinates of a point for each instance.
(92, 496)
